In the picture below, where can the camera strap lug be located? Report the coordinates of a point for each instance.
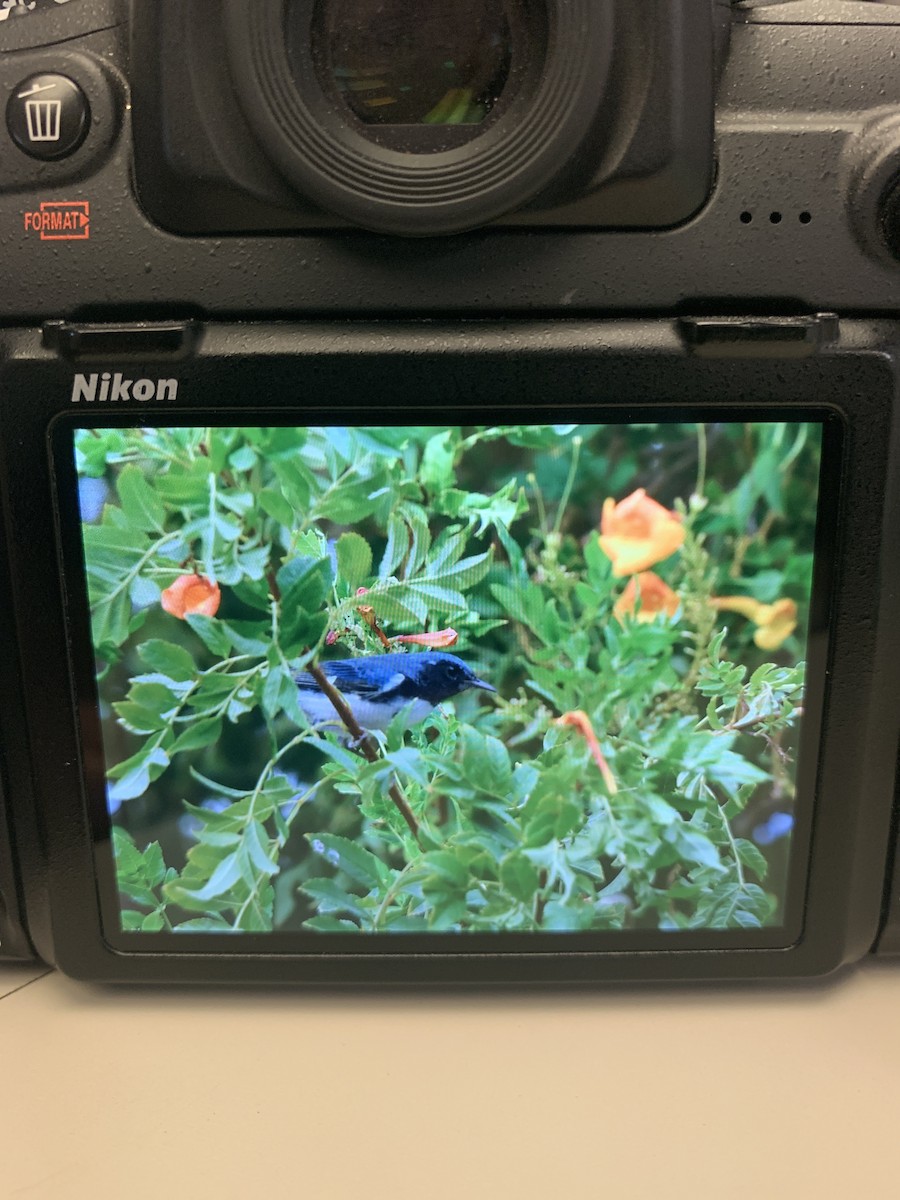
(759, 337)
(138, 339)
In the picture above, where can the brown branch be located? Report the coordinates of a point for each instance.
(361, 738)
(747, 722)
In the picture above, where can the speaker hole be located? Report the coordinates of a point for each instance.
(746, 218)
(775, 218)
(805, 218)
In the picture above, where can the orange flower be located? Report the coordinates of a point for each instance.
(582, 722)
(191, 594)
(776, 622)
(439, 640)
(654, 595)
(637, 532)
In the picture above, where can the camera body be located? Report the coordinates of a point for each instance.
(604, 219)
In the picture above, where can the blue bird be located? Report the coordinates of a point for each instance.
(377, 686)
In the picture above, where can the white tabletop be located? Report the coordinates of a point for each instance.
(757, 1093)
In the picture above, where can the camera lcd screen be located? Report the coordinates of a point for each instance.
(354, 684)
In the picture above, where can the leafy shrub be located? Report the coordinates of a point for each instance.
(645, 721)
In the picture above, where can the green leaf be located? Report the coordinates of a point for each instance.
(465, 574)
(138, 892)
(304, 584)
(204, 925)
(257, 842)
(299, 632)
(144, 592)
(270, 697)
(695, 847)
(168, 659)
(248, 637)
(498, 510)
(752, 858)
(395, 601)
(154, 865)
(436, 470)
(408, 762)
(136, 773)
(344, 855)
(731, 772)
(185, 485)
(354, 559)
(111, 620)
(430, 597)
(129, 860)
(396, 548)
(443, 867)
(337, 754)
(95, 449)
(331, 925)
(333, 898)
(218, 789)
(200, 734)
(296, 486)
(138, 720)
(549, 818)
(290, 702)
(660, 810)
(140, 503)
(746, 920)
(154, 696)
(211, 632)
(486, 763)
(276, 506)
(254, 563)
(223, 878)
(243, 459)
(520, 877)
(417, 520)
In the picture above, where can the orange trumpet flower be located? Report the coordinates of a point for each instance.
(638, 532)
(191, 594)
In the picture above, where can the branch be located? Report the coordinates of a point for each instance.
(750, 720)
(362, 740)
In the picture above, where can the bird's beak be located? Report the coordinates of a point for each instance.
(480, 683)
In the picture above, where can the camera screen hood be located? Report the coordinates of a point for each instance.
(554, 104)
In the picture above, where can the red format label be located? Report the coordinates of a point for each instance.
(60, 221)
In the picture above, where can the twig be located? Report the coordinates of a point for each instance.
(362, 740)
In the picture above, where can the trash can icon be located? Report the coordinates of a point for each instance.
(43, 118)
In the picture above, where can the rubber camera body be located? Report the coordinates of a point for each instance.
(449, 340)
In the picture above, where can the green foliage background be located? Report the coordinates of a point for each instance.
(230, 813)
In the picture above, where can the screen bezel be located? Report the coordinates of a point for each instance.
(512, 366)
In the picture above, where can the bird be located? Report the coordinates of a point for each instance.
(377, 686)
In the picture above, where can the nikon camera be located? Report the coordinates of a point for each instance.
(450, 486)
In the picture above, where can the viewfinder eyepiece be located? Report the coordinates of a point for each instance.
(423, 116)
(429, 63)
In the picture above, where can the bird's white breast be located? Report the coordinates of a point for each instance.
(319, 710)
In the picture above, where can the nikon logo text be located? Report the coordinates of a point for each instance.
(114, 388)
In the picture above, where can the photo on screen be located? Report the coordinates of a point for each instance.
(450, 679)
